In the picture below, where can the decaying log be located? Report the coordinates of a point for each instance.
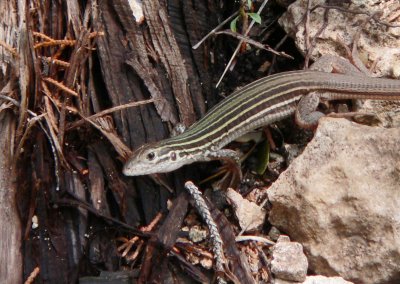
(61, 63)
(10, 229)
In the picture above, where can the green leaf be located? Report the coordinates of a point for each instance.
(263, 157)
(249, 3)
(256, 17)
(233, 24)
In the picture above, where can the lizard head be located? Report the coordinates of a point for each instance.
(154, 158)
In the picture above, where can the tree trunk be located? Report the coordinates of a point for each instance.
(10, 229)
(62, 62)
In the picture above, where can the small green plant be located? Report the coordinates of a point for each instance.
(244, 14)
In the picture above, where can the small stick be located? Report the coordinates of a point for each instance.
(240, 43)
(215, 29)
(254, 42)
(215, 237)
(55, 42)
(255, 239)
(110, 110)
(33, 275)
(61, 86)
(9, 48)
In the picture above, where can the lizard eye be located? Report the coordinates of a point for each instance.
(173, 156)
(150, 156)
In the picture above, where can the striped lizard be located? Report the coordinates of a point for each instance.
(257, 104)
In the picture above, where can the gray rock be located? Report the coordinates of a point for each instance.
(317, 279)
(274, 233)
(288, 260)
(249, 214)
(378, 46)
(197, 234)
(377, 43)
(341, 200)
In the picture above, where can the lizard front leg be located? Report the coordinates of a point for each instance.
(232, 167)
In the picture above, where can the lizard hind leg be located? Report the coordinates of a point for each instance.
(306, 115)
(335, 64)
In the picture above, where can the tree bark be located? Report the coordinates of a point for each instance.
(10, 229)
(61, 63)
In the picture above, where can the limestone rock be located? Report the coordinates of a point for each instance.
(249, 214)
(317, 279)
(341, 200)
(288, 260)
(377, 43)
(377, 46)
(197, 234)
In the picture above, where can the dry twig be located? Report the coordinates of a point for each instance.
(241, 42)
(254, 42)
(61, 86)
(33, 275)
(9, 48)
(67, 42)
(215, 237)
(110, 110)
(55, 61)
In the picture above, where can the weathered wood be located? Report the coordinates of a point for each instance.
(162, 242)
(104, 58)
(10, 229)
(238, 263)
